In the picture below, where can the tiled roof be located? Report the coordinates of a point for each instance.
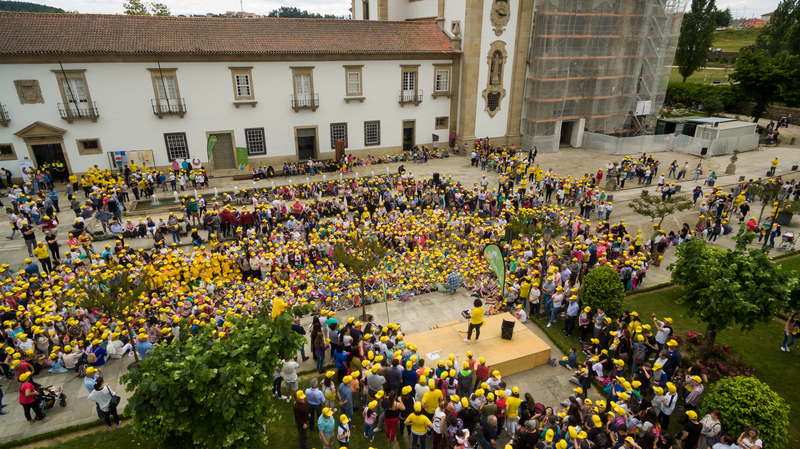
(33, 33)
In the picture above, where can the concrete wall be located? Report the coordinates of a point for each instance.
(668, 142)
(773, 112)
(123, 92)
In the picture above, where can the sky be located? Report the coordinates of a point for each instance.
(740, 8)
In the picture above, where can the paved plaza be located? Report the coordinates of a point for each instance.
(546, 383)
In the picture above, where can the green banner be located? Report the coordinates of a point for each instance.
(241, 158)
(494, 257)
(212, 139)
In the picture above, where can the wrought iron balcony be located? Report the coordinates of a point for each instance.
(80, 111)
(410, 97)
(305, 102)
(4, 117)
(163, 107)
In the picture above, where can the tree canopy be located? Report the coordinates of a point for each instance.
(293, 12)
(211, 390)
(723, 287)
(140, 8)
(697, 35)
(360, 256)
(28, 7)
(653, 207)
(723, 18)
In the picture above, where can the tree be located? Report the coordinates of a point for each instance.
(292, 12)
(211, 391)
(764, 79)
(115, 295)
(781, 33)
(602, 288)
(528, 224)
(723, 287)
(766, 190)
(654, 207)
(712, 105)
(697, 35)
(745, 402)
(723, 18)
(28, 7)
(140, 8)
(360, 257)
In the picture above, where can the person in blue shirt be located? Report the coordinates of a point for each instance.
(32, 269)
(315, 399)
(99, 352)
(92, 374)
(107, 252)
(572, 360)
(340, 356)
(144, 346)
(345, 394)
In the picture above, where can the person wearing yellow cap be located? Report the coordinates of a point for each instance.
(27, 398)
(302, 417)
(673, 358)
(420, 424)
(668, 403)
(664, 329)
(692, 429)
(694, 385)
(345, 395)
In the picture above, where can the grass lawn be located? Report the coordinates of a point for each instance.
(760, 347)
(697, 77)
(282, 434)
(734, 40)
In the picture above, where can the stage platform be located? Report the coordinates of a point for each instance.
(523, 352)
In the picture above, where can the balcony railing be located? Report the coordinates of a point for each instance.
(164, 107)
(305, 102)
(81, 111)
(410, 97)
(4, 117)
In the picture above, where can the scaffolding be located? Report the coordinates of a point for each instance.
(600, 64)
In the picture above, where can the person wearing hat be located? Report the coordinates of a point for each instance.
(694, 384)
(345, 395)
(302, 415)
(326, 425)
(690, 436)
(419, 424)
(573, 309)
(673, 358)
(27, 398)
(664, 329)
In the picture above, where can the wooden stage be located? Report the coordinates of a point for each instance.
(523, 352)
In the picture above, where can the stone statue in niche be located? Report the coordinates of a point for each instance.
(496, 69)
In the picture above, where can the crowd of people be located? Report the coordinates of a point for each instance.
(276, 245)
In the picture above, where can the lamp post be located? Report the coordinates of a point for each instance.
(547, 234)
(782, 195)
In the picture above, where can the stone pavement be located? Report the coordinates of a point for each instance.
(547, 384)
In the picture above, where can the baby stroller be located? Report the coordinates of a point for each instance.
(788, 242)
(49, 395)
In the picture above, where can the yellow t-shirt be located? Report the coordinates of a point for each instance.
(513, 406)
(430, 400)
(40, 252)
(419, 423)
(476, 316)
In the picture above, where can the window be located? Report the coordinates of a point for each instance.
(705, 135)
(353, 80)
(442, 80)
(493, 101)
(442, 122)
(7, 152)
(366, 10)
(242, 84)
(76, 101)
(338, 131)
(167, 92)
(304, 96)
(255, 141)
(372, 132)
(89, 146)
(176, 146)
(409, 82)
(409, 92)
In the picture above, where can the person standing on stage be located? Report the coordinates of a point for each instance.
(475, 321)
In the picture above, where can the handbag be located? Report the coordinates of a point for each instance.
(114, 398)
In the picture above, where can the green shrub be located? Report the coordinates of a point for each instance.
(746, 401)
(602, 287)
(688, 92)
(678, 105)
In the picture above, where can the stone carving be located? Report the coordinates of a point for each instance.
(731, 169)
(29, 91)
(494, 92)
(611, 179)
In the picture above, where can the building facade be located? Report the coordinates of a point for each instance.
(275, 90)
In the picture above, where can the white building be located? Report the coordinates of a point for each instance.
(159, 88)
(267, 91)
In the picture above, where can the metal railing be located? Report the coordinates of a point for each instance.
(305, 101)
(410, 97)
(4, 117)
(78, 111)
(169, 107)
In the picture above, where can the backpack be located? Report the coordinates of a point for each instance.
(639, 354)
(600, 440)
(91, 358)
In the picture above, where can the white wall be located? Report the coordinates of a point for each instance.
(408, 10)
(123, 92)
(497, 125)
